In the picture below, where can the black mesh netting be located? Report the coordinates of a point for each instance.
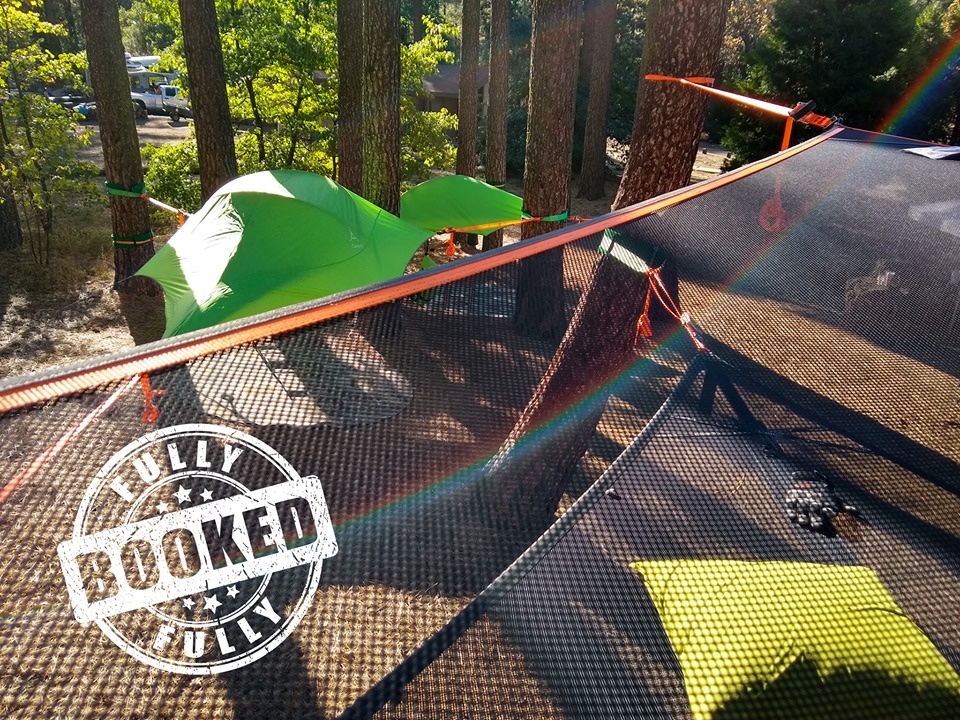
(766, 528)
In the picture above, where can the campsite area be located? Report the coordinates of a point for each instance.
(68, 312)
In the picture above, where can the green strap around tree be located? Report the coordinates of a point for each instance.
(117, 189)
(128, 241)
(499, 184)
(559, 217)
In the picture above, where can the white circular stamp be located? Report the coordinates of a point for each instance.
(197, 549)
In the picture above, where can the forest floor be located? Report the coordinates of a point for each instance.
(68, 311)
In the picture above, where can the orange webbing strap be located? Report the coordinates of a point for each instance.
(656, 288)
(643, 322)
(150, 410)
(799, 113)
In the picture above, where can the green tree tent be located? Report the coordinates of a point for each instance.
(458, 202)
(272, 239)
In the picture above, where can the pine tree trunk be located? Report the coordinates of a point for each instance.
(121, 151)
(381, 103)
(208, 94)
(417, 20)
(468, 105)
(11, 234)
(546, 181)
(596, 348)
(350, 95)
(683, 40)
(599, 343)
(594, 165)
(495, 165)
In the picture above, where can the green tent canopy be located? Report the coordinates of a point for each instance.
(458, 202)
(272, 239)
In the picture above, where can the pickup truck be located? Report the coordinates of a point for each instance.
(161, 100)
(175, 103)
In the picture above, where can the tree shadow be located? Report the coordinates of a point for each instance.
(144, 315)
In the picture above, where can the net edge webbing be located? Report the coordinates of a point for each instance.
(30, 389)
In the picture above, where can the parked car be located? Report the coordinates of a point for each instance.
(67, 97)
(89, 111)
(175, 103)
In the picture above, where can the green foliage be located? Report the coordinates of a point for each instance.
(39, 139)
(149, 26)
(627, 65)
(934, 114)
(425, 135)
(841, 54)
(173, 174)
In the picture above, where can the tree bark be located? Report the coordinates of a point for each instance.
(594, 165)
(350, 95)
(121, 150)
(683, 40)
(598, 345)
(569, 400)
(495, 164)
(208, 92)
(11, 234)
(467, 106)
(381, 103)
(417, 20)
(546, 182)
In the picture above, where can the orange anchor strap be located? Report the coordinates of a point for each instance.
(799, 113)
(150, 410)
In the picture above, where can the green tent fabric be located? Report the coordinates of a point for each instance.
(451, 202)
(792, 640)
(272, 239)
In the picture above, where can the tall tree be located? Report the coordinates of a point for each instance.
(350, 95)
(546, 180)
(381, 103)
(467, 105)
(133, 244)
(843, 56)
(208, 90)
(417, 13)
(495, 163)
(603, 18)
(598, 345)
(683, 40)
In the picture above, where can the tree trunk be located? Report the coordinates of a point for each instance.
(208, 93)
(599, 342)
(467, 105)
(546, 181)
(594, 165)
(417, 20)
(495, 164)
(381, 103)
(118, 136)
(683, 40)
(350, 94)
(11, 234)
(597, 347)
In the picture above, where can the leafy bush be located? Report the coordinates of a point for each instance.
(173, 174)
